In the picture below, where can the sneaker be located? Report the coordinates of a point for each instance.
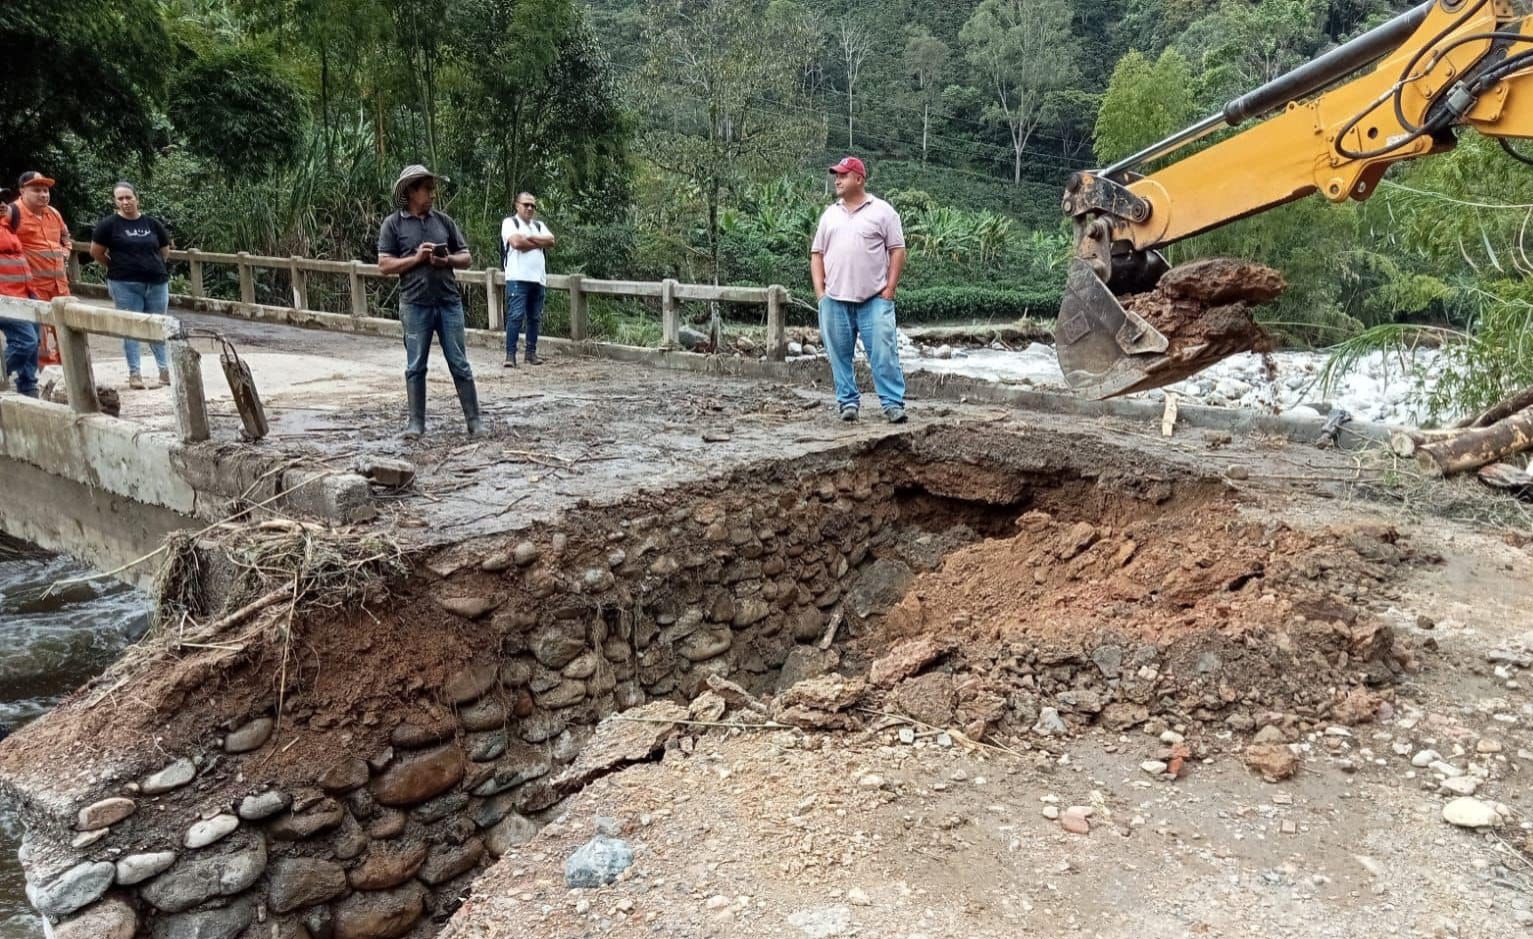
(849, 412)
(136, 382)
(509, 363)
(164, 377)
(895, 415)
(533, 359)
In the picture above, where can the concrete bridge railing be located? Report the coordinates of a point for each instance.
(493, 282)
(74, 321)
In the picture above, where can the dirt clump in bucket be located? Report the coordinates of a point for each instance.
(1209, 302)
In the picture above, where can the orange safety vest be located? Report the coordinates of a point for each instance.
(42, 237)
(15, 274)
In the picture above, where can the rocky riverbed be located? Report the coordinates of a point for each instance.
(49, 645)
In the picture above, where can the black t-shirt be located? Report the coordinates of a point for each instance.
(133, 248)
(402, 234)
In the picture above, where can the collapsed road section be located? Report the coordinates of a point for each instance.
(355, 732)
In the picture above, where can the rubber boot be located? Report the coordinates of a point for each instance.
(415, 392)
(468, 396)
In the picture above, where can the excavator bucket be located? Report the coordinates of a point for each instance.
(1106, 350)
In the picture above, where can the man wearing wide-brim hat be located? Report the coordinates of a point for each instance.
(424, 247)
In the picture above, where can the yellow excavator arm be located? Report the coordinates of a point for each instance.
(1442, 65)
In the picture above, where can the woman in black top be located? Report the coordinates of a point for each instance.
(134, 247)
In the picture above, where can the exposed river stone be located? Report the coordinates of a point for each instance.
(109, 919)
(702, 646)
(418, 777)
(249, 737)
(105, 813)
(263, 805)
(380, 915)
(322, 816)
(493, 809)
(583, 665)
(350, 841)
(487, 748)
(469, 684)
(420, 736)
(74, 889)
(555, 647)
(510, 832)
(225, 923)
(487, 714)
(214, 829)
(445, 862)
(515, 673)
(439, 808)
(137, 868)
(388, 824)
(193, 882)
(541, 726)
(467, 607)
(344, 776)
(564, 694)
(171, 777)
(384, 869)
(297, 882)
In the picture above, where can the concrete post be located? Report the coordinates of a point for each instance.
(300, 282)
(670, 315)
(247, 278)
(187, 392)
(495, 299)
(358, 290)
(194, 263)
(580, 327)
(777, 323)
(74, 350)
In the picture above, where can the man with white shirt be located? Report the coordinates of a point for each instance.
(525, 239)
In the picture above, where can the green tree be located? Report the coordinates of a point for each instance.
(238, 108)
(90, 71)
(723, 103)
(1144, 102)
(533, 100)
(926, 62)
(1022, 50)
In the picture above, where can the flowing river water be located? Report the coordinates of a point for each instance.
(50, 645)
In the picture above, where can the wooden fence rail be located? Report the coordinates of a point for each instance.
(493, 282)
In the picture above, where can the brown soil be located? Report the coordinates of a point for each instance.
(1209, 301)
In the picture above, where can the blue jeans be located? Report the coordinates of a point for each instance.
(524, 302)
(841, 323)
(141, 298)
(21, 354)
(445, 320)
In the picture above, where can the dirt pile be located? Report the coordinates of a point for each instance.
(1188, 613)
(1208, 302)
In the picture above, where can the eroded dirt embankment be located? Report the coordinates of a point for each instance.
(349, 773)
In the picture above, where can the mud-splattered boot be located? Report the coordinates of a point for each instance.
(468, 396)
(415, 392)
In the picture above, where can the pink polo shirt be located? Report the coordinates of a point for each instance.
(856, 247)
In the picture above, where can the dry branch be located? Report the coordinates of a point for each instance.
(1472, 449)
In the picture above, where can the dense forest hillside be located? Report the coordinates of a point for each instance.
(688, 137)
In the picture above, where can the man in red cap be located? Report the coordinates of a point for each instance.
(855, 263)
(44, 236)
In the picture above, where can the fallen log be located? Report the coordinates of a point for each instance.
(1405, 442)
(1501, 410)
(1472, 449)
